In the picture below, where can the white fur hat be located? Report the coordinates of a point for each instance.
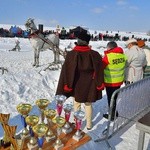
(131, 41)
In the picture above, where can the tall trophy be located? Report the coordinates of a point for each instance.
(5, 142)
(24, 109)
(11, 131)
(50, 114)
(32, 120)
(40, 131)
(59, 121)
(60, 99)
(67, 128)
(42, 104)
(78, 115)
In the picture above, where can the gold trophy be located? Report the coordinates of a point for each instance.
(24, 109)
(5, 142)
(42, 104)
(32, 120)
(11, 131)
(59, 121)
(50, 114)
(40, 131)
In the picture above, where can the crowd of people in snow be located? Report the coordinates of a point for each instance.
(88, 73)
(16, 31)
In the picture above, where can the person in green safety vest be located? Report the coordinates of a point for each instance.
(114, 62)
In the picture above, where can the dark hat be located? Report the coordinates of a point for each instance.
(84, 36)
(141, 43)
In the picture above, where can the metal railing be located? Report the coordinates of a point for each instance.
(132, 102)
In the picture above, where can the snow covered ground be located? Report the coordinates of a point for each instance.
(24, 83)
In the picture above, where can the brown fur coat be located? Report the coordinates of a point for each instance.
(82, 73)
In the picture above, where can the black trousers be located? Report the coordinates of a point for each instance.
(109, 92)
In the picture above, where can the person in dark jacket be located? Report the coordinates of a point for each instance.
(82, 76)
(114, 62)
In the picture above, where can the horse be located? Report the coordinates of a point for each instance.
(40, 42)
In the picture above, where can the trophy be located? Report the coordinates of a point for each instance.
(42, 104)
(59, 121)
(59, 100)
(78, 115)
(11, 130)
(32, 121)
(5, 142)
(24, 109)
(50, 114)
(40, 130)
(66, 128)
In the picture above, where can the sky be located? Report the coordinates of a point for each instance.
(111, 15)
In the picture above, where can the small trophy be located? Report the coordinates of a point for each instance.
(59, 121)
(66, 128)
(78, 115)
(24, 109)
(5, 142)
(50, 114)
(42, 104)
(40, 130)
(32, 121)
(59, 100)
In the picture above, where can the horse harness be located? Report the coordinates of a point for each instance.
(45, 40)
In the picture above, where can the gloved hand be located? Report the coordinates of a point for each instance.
(67, 89)
(100, 88)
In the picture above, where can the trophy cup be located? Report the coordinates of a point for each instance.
(24, 109)
(5, 142)
(78, 115)
(42, 104)
(66, 128)
(50, 114)
(32, 121)
(59, 100)
(59, 121)
(40, 130)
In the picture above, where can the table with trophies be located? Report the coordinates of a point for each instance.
(49, 131)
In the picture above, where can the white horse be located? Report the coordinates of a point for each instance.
(40, 43)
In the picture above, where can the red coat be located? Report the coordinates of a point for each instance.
(82, 75)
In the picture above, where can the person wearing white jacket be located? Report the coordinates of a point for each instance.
(141, 44)
(136, 61)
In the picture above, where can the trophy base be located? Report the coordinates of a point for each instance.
(4, 145)
(77, 138)
(32, 147)
(48, 139)
(66, 131)
(59, 147)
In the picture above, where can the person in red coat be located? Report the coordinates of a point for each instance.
(114, 62)
(82, 76)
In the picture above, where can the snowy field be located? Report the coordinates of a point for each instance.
(24, 83)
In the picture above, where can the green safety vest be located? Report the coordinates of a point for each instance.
(114, 72)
